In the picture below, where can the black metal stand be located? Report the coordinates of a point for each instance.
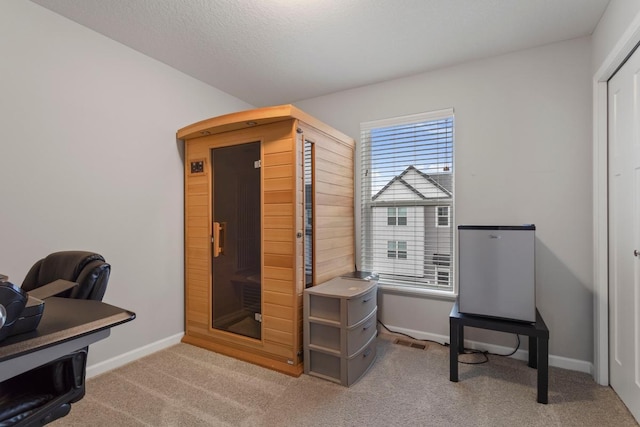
(537, 332)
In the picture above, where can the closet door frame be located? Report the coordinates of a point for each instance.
(622, 49)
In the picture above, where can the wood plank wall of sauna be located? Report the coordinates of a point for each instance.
(279, 314)
(279, 304)
(334, 237)
(197, 241)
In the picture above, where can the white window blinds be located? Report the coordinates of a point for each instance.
(407, 195)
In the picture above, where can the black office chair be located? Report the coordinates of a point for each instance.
(88, 269)
(46, 393)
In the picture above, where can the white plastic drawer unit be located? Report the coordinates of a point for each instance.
(340, 329)
(358, 308)
(328, 337)
(328, 308)
(342, 370)
(324, 308)
(359, 363)
(326, 301)
(359, 334)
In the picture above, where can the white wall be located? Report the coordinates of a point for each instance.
(523, 155)
(89, 160)
(614, 22)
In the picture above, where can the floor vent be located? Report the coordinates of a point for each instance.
(410, 344)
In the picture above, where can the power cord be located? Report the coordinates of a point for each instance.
(471, 351)
(485, 353)
(409, 336)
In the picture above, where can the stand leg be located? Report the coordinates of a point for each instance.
(533, 352)
(454, 330)
(543, 370)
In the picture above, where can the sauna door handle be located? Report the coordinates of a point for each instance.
(218, 238)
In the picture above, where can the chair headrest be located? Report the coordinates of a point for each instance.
(65, 265)
(88, 269)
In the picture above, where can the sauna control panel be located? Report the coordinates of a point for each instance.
(197, 166)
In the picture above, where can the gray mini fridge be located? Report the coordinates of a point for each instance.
(496, 271)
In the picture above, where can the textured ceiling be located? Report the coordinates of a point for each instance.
(269, 52)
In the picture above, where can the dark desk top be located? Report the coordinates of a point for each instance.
(539, 328)
(64, 319)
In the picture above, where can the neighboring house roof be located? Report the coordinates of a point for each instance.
(414, 184)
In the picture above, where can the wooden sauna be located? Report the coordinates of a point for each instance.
(268, 211)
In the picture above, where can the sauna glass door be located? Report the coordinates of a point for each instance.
(236, 239)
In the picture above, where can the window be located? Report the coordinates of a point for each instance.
(407, 180)
(442, 216)
(396, 249)
(397, 216)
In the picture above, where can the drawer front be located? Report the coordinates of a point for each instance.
(361, 362)
(360, 307)
(327, 308)
(359, 335)
(324, 365)
(326, 336)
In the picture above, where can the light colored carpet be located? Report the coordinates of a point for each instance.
(189, 386)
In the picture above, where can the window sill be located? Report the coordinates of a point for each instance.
(417, 292)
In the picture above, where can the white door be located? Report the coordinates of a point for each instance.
(624, 233)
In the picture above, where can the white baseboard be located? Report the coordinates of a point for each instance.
(123, 359)
(556, 361)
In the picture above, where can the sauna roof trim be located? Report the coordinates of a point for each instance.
(253, 118)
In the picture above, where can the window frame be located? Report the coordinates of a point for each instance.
(392, 249)
(438, 216)
(396, 250)
(367, 251)
(396, 216)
